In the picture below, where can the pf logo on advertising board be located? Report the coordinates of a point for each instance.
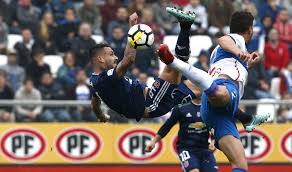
(78, 144)
(23, 145)
(257, 144)
(286, 144)
(132, 145)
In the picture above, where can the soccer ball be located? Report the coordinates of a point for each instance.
(140, 36)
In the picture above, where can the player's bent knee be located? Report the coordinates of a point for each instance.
(221, 97)
(194, 170)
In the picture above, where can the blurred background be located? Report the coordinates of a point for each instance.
(44, 71)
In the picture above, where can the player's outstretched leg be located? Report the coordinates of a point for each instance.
(185, 19)
(250, 122)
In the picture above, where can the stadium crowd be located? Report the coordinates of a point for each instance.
(65, 27)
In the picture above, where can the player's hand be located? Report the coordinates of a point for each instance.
(212, 147)
(244, 56)
(255, 59)
(149, 147)
(133, 19)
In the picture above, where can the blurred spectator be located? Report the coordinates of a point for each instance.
(146, 60)
(267, 23)
(276, 54)
(147, 18)
(67, 30)
(282, 115)
(3, 35)
(118, 41)
(52, 90)
(67, 72)
(283, 26)
(4, 10)
(37, 67)
(287, 74)
(180, 2)
(27, 15)
(107, 12)
(59, 8)
(90, 13)
(163, 19)
(201, 21)
(15, 73)
(81, 92)
(220, 12)
(203, 61)
(25, 48)
(271, 8)
(257, 86)
(134, 73)
(6, 93)
(47, 34)
(136, 6)
(288, 5)
(28, 113)
(143, 78)
(245, 5)
(81, 45)
(121, 21)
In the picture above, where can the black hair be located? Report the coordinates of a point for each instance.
(96, 49)
(27, 80)
(241, 21)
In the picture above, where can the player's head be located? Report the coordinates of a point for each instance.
(242, 23)
(103, 57)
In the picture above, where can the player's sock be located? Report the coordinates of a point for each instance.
(199, 77)
(243, 117)
(238, 170)
(182, 48)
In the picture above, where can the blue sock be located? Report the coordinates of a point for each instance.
(182, 48)
(238, 170)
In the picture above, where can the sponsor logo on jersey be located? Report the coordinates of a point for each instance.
(132, 144)
(23, 144)
(78, 144)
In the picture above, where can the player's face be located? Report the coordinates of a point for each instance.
(110, 59)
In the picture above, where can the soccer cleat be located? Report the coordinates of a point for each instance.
(182, 16)
(164, 54)
(256, 121)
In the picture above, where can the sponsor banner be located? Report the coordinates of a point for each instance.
(95, 143)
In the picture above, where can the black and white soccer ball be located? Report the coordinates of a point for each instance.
(140, 36)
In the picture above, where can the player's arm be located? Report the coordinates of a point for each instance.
(228, 44)
(212, 147)
(95, 104)
(130, 52)
(164, 129)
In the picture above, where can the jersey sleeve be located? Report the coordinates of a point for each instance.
(169, 123)
(239, 41)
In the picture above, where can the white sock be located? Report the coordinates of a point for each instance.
(197, 76)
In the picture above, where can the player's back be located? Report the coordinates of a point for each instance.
(123, 95)
(223, 62)
(193, 133)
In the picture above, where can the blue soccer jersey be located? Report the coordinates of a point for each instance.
(123, 95)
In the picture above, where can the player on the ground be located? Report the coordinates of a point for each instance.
(224, 87)
(193, 148)
(124, 95)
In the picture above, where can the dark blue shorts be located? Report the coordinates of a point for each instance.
(160, 98)
(203, 160)
(222, 118)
